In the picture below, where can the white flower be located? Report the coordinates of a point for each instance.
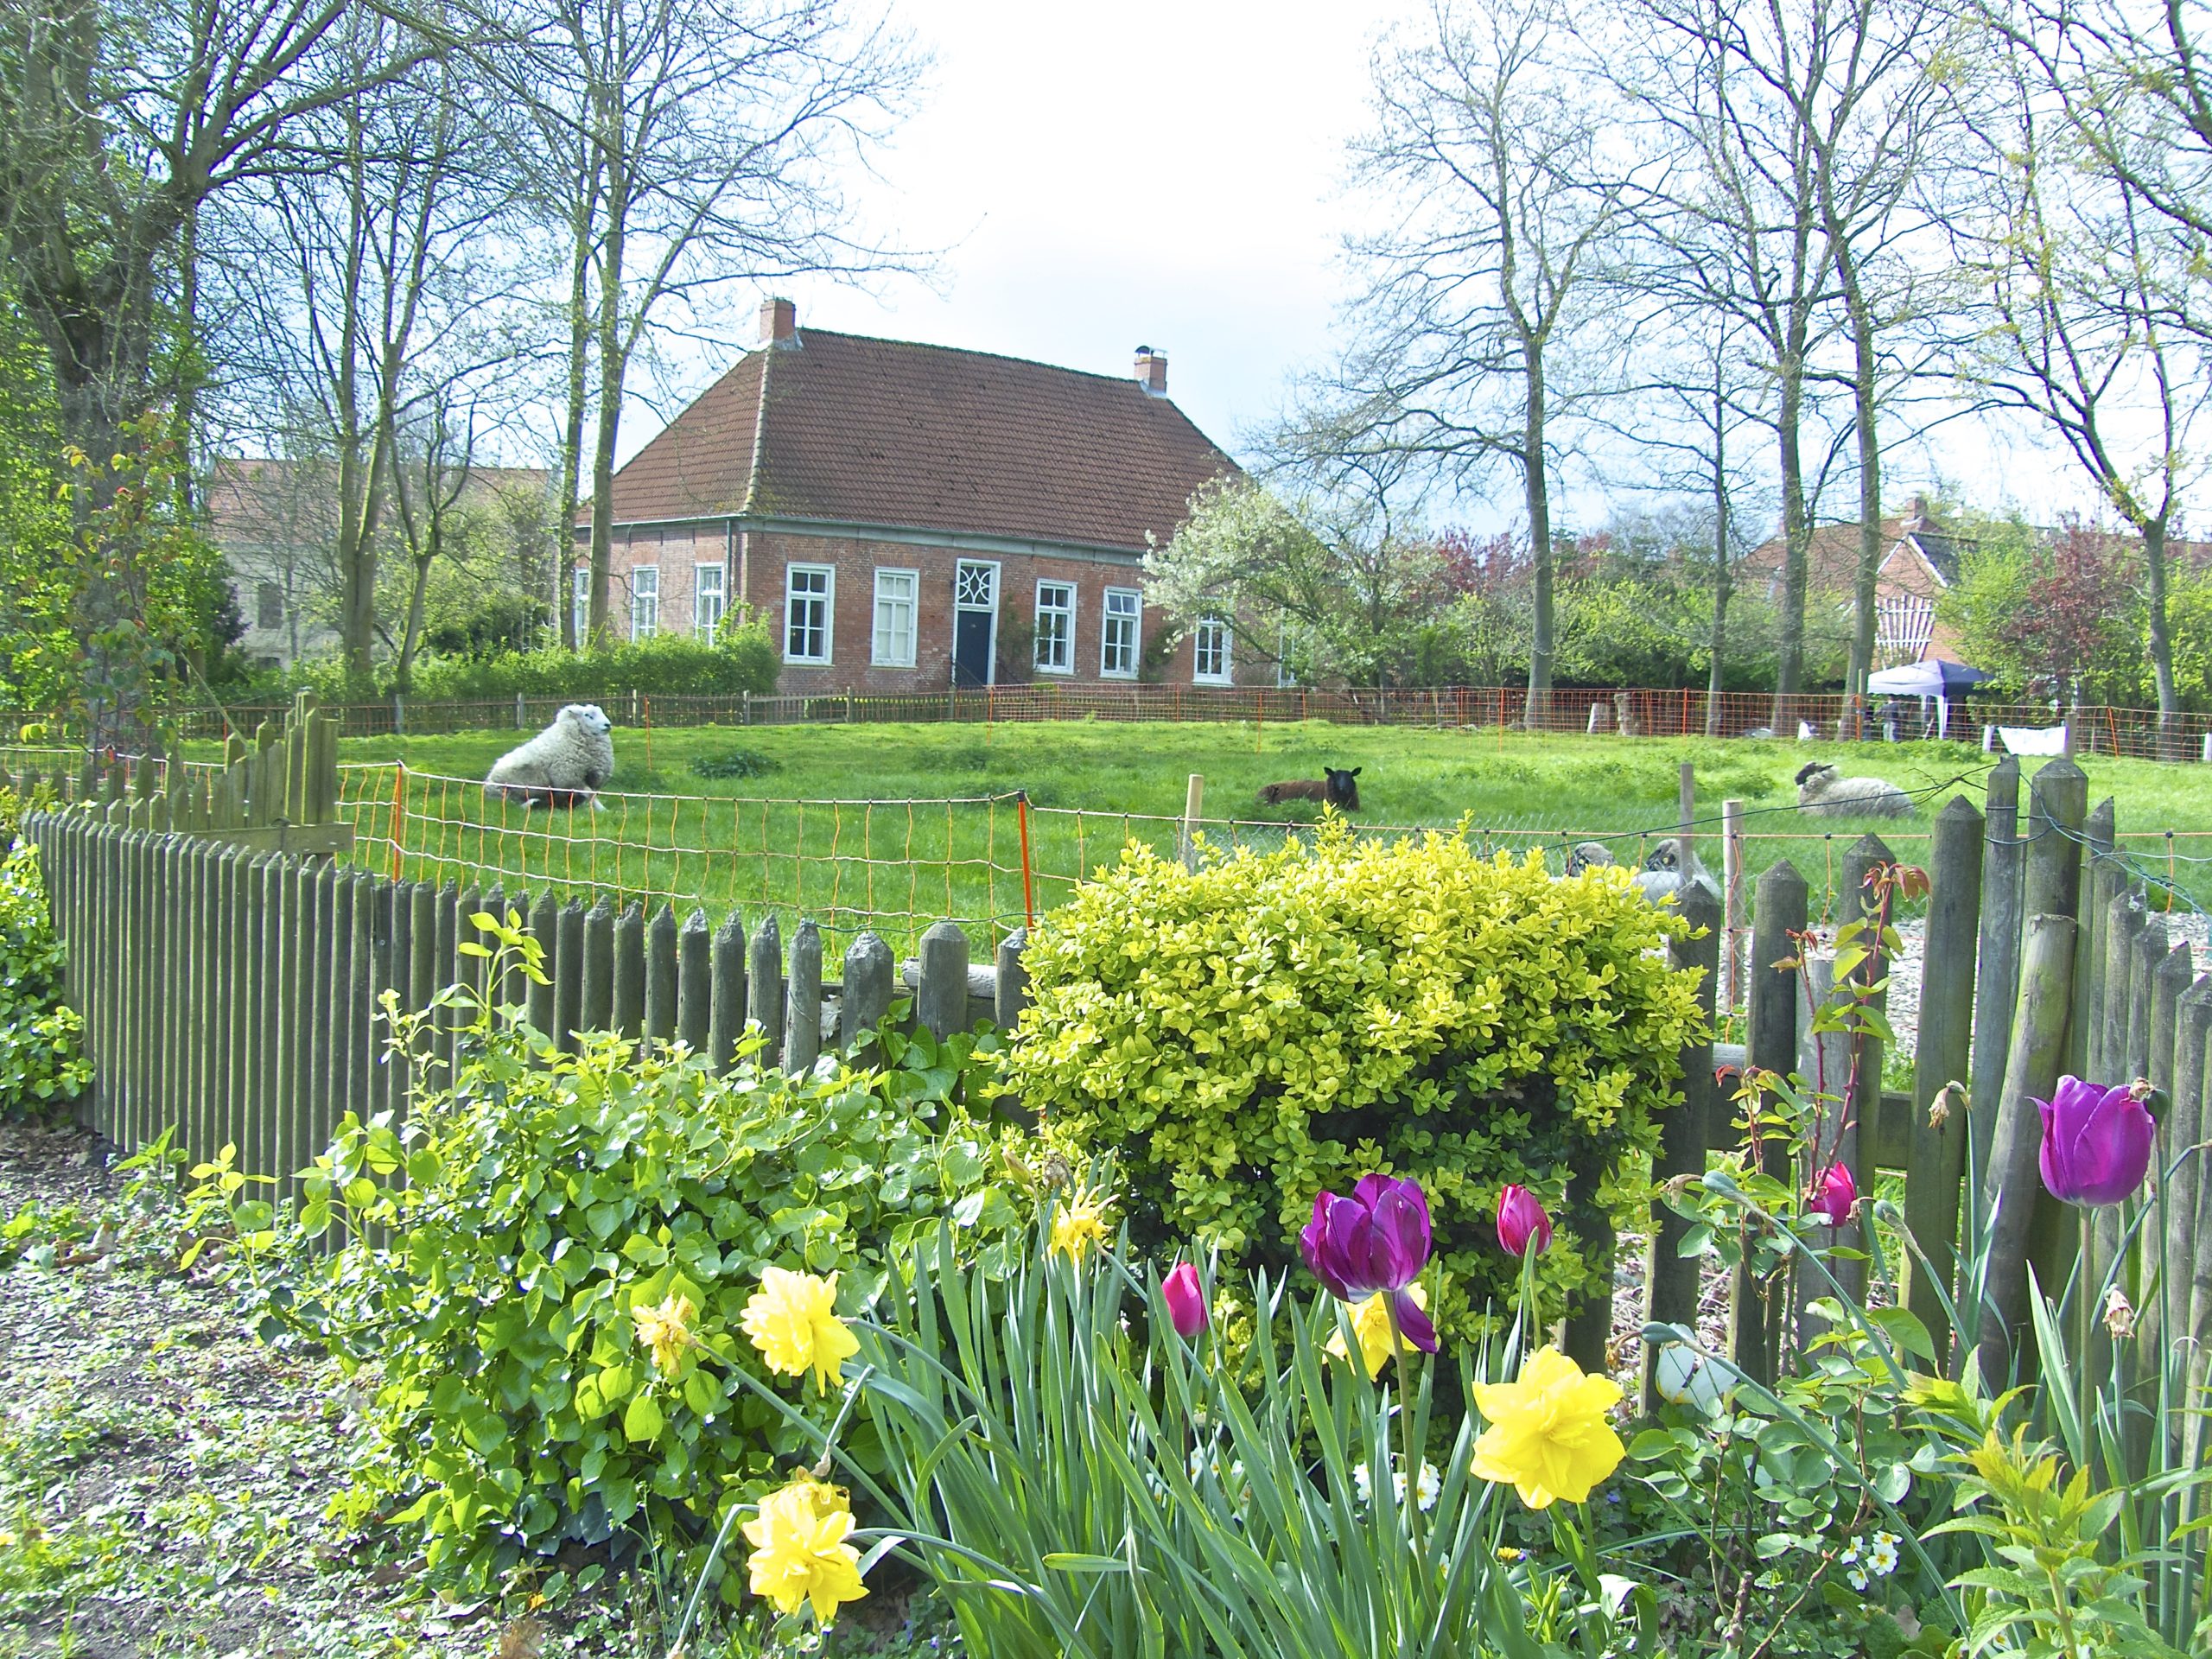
(1361, 1484)
(1431, 1487)
(1858, 1577)
(1882, 1558)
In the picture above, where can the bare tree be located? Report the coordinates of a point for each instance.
(2080, 284)
(117, 126)
(1479, 348)
(698, 148)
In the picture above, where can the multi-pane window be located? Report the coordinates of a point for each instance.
(1118, 640)
(807, 589)
(896, 592)
(645, 601)
(1056, 627)
(268, 606)
(580, 603)
(709, 598)
(1209, 651)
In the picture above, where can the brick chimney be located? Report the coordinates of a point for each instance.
(778, 322)
(1152, 371)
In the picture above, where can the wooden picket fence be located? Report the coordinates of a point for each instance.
(231, 972)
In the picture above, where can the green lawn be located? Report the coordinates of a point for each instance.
(773, 840)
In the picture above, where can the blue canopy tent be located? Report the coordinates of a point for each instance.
(1934, 678)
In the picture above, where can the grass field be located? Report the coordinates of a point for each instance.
(895, 826)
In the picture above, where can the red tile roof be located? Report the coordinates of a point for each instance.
(882, 432)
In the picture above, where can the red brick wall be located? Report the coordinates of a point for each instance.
(759, 581)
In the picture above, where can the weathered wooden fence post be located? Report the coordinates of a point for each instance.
(1686, 1132)
(694, 982)
(1011, 988)
(629, 1007)
(568, 978)
(1770, 1029)
(545, 928)
(766, 987)
(1998, 956)
(1938, 1149)
(1735, 938)
(2185, 1127)
(2097, 831)
(599, 966)
(942, 1003)
(2058, 804)
(2015, 1180)
(727, 1023)
(660, 977)
(868, 972)
(802, 1000)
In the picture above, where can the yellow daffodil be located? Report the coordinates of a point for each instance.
(1080, 1223)
(1370, 1323)
(1548, 1433)
(666, 1330)
(792, 1320)
(799, 1552)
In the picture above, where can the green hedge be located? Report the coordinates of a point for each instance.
(741, 659)
(1273, 1024)
(43, 1064)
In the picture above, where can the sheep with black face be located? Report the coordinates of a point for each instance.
(1335, 788)
(1824, 792)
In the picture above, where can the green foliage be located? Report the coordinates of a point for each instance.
(531, 1206)
(1141, 1494)
(1246, 1035)
(740, 659)
(37, 651)
(43, 1064)
(733, 763)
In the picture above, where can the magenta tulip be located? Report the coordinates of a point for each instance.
(1185, 1299)
(1377, 1240)
(1522, 1222)
(2096, 1142)
(1834, 1193)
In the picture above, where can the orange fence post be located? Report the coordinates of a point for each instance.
(1028, 888)
(398, 814)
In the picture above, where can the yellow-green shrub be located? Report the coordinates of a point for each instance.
(1271, 1025)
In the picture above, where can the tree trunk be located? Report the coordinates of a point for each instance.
(572, 430)
(611, 363)
(1864, 418)
(2161, 640)
(1537, 496)
(1796, 539)
(1723, 584)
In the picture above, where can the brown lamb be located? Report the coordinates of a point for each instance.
(1335, 788)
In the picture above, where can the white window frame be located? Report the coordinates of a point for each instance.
(913, 601)
(1066, 613)
(703, 625)
(828, 599)
(645, 601)
(1225, 675)
(1135, 645)
(580, 601)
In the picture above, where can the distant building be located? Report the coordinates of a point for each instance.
(909, 517)
(276, 523)
(1920, 561)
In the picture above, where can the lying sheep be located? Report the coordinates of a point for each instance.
(1662, 878)
(1334, 788)
(1822, 791)
(1587, 855)
(565, 765)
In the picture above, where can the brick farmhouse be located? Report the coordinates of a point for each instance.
(1920, 561)
(911, 517)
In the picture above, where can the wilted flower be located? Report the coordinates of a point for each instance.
(666, 1330)
(2119, 1315)
(799, 1552)
(1548, 1433)
(1185, 1299)
(1834, 1193)
(1370, 1326)
(2096, 1142)
(1376, 1240)
(1522, 1222)
(1079, 1224)
(792, 1320)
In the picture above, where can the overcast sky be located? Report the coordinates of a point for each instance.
(1172, 173)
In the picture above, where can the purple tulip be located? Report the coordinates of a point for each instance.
(2096, 1142)
(1375, 1241)
(1834, 1193)
(1522, 1222)
(1185, 1299)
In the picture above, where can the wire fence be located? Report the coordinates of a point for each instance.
(2136, 733)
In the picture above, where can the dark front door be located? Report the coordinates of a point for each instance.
(971, 647)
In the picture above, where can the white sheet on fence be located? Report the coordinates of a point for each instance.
(2027, 739)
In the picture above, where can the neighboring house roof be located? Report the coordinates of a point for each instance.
(1832, 556)
(840, 428)
(257, 501)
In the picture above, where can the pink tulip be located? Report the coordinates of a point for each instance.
(1522, 1222)
(1834, 1193)
(1185, 1299)
(2096, 1142)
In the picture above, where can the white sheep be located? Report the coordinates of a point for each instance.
(565, 765)
(1587, 855)
(1822, 791)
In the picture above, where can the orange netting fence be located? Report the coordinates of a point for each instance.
(1624, 712)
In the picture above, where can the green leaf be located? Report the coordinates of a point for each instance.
(644, 1420)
